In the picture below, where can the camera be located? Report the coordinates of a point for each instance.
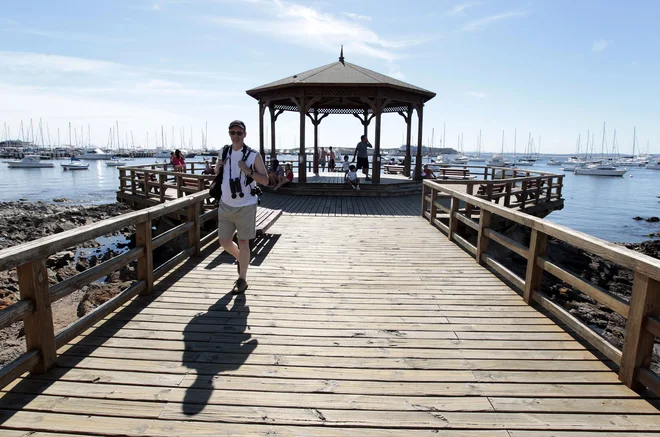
(235, 187)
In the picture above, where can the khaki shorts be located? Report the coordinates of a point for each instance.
(240, 219)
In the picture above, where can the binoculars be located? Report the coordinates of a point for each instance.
(235, 187)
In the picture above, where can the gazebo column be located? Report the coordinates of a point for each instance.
(262, 109)
(302, 157)
(273, 118)
(418, 163)
(316, 120)
(407, 116)
(375, 172)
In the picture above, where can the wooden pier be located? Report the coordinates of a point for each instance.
(365, 321)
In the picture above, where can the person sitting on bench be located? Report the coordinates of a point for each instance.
(288, 177)
(428, 173)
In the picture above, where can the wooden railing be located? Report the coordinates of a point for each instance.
(37, 295)
(151, 181)
(643, 323)
(516, 188)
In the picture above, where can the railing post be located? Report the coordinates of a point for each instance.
(122, 182)
(133, 182)
(638, 343)
(507, 197)
(146, 185)
(537, 247)
(524, 194)
(434, 208)
(194, 233)
(468, 208)
(548, 194)
(145, 264)
(560, 181)
(192, 168)
(38, 325)
(539, 181)
(453, 221)
(482, 239)
(425, 189)
(161, 187)
(179, 183)
(485, 173)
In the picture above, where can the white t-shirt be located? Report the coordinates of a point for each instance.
(352, 175)
(231, 169)
(345, 165)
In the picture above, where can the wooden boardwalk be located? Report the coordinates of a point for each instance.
(364, 325)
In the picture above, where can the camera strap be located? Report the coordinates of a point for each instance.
(246, 154)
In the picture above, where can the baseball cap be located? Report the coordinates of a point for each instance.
(238, 123)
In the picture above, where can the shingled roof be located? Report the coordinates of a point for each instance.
(340, 74)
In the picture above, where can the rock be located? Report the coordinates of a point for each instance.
(60, 259)
(61, 199)
(653, 219)
(96, 294)
(638, 218)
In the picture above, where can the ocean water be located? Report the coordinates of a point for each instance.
(600, 206)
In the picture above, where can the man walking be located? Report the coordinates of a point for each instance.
(242, 169)
(322, 159)
(362, 156)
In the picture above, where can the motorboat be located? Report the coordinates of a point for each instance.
(30, 161)
(525, 162)
(600, 170)
(553, 161)
(477, 159)
(114, 162)
(75, 164)
(95, 155)
(498, 161)
(459, 160)
(654, 165)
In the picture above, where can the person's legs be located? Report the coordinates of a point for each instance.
(243, 257)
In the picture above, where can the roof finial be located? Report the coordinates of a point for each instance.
(341, 55)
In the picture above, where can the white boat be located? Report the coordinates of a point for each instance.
(75, 164)
(525, 162)
(114, 162)
(654, 165)
(459, 160)
(95, 155)
(553, 161)
(600, 170)
(30, 161)
(161, 153)
(498, 161)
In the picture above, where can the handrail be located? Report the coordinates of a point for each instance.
(641, 312)
(29, 259)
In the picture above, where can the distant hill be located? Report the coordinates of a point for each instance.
(425, 150)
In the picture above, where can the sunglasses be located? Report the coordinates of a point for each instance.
(235, 133)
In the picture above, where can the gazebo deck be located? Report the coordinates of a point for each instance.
(372, 325)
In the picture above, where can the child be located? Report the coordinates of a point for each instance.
(351, 178)
(345, 165)
(286, 178)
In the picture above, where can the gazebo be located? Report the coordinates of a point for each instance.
(342, 88)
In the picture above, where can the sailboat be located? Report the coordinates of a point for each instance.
(600, 168)
(527, 160)
(477, 157)
(498, 160)
(460, 158)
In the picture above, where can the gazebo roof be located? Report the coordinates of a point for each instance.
(342, 74)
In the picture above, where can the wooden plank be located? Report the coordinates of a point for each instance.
(24, 363)
(15, 312)
(507, 242)
(537, 248)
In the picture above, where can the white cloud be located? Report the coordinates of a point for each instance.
(12, 26)
(477, 94)
(459, 9)
(483, 23)
(356, 16)
(309, 27)
(599, 46)
(155, 7)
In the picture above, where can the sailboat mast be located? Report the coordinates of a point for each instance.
(602, 144)
(444, 129)
(634, 137)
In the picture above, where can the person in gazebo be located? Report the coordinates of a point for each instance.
(362, 156)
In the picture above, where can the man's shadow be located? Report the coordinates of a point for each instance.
(238, 347)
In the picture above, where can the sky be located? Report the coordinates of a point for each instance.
(554, 69)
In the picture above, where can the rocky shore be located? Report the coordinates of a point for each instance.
(609, 276)
(24, 222)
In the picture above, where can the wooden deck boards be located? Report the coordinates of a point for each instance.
(373, 325)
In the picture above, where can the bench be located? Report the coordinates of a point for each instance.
(393, 169)
(266, 218)
(453, 173)
(492, 191)
(529, 190)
